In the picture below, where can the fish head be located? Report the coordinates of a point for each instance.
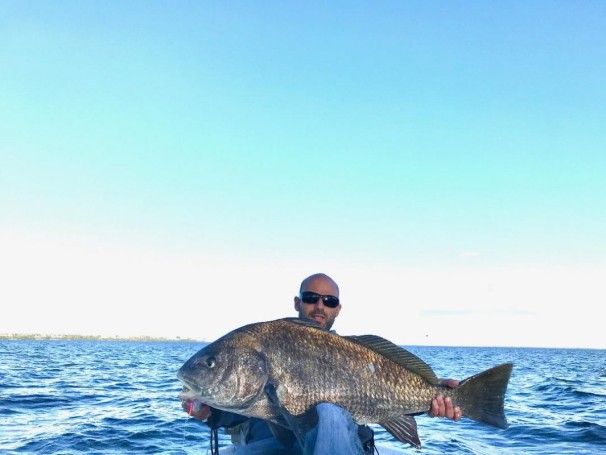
(230, 378)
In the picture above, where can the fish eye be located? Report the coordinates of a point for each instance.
(210, 362)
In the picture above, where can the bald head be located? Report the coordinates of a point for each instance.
(320, 279)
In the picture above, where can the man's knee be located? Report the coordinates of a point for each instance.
(333, 412)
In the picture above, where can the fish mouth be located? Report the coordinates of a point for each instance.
(190, 389)
(191, 392)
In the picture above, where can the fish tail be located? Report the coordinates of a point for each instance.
(482, 397)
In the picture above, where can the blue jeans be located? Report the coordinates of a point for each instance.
(335, 433)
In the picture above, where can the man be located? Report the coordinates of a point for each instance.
(335, 432)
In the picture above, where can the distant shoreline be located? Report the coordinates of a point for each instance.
(69, 337)
(37, 336)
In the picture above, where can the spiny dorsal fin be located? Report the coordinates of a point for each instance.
(397, 354)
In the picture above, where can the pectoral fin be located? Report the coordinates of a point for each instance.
(284, 435)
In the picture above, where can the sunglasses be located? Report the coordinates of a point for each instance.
(312, 298)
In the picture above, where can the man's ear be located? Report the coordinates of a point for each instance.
(297, 304)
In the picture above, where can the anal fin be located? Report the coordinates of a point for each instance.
(404, 429)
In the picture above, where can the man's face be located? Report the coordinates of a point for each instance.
(319, 312)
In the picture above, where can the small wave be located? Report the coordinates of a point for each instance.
(590, 393)
(39, 400)
(549, 388)
(586, 432)
(7, 411)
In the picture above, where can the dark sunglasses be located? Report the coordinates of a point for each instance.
(312, 298)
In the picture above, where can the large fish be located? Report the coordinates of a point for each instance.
(278, 371)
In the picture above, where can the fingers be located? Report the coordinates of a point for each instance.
(457, 414)
(443, 407)
(452, 383)
(448, 408)
(438, 408)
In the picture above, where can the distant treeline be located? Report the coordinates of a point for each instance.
(35, 336)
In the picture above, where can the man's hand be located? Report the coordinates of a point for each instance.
(442, 407)
(198, 410)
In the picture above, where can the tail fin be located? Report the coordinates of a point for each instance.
(482, 397)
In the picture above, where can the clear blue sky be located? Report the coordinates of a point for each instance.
(201, 158)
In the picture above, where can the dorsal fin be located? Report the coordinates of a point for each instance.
(397, 354)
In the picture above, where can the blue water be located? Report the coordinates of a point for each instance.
(73, 397)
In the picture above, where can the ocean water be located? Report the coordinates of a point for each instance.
(71, 397)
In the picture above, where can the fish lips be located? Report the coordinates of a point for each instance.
(187, 393)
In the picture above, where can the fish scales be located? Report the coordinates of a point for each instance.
(365, 382)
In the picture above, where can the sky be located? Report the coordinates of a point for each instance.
(175, 169)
